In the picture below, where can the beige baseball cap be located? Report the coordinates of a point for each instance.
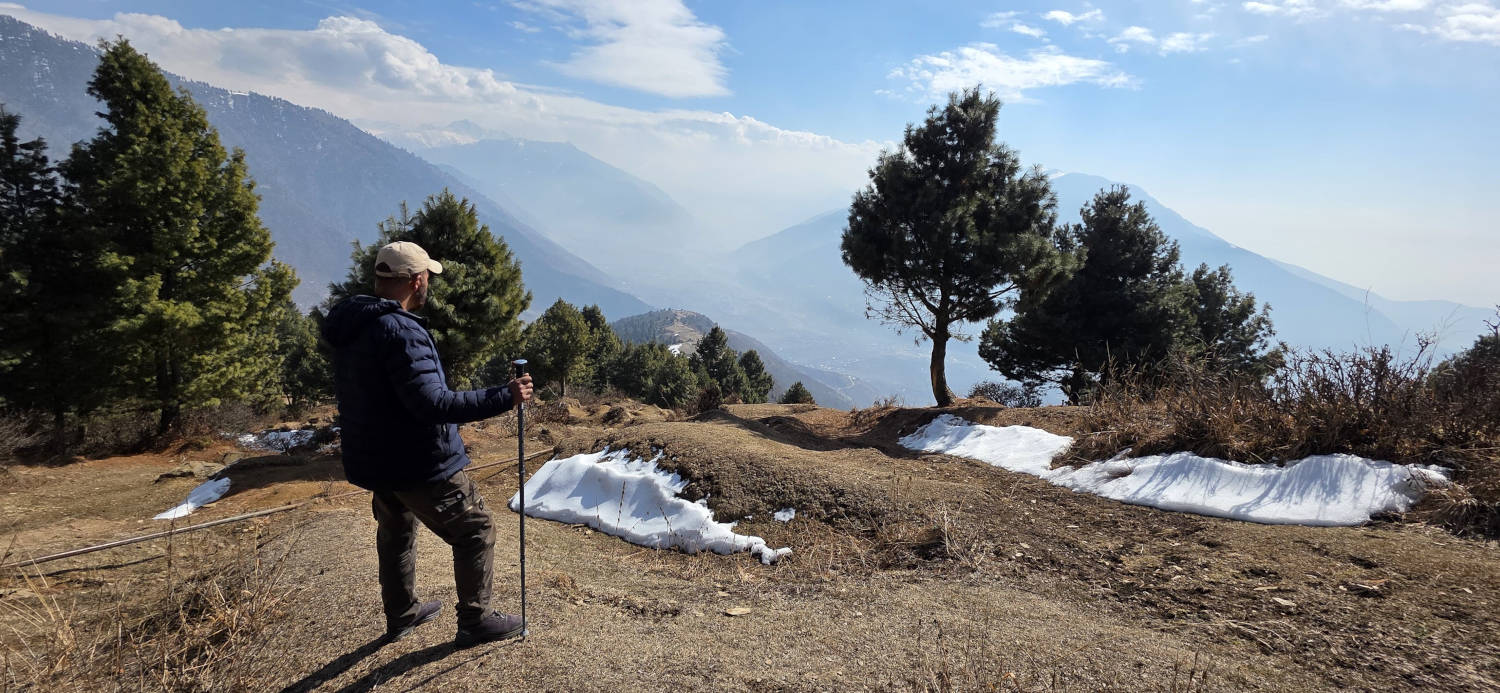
(404, 259)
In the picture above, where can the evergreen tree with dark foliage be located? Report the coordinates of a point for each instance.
(53, 300)
(718, 363)
(557, 345)
(306, 374)
(951, 230)
(797, 394)
(604, 346)
(474, 307)
(186, 255)
(1228, 327)
(758, 382)
(1128, 306)
(655, 375)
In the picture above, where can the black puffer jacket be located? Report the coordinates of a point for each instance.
(397, 414)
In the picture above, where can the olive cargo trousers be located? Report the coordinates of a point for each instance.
(455, 512)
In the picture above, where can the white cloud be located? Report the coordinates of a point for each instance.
(654, 46)
(524, 27)
(1134, 34)
(981, 63)
(1475, 22)
(1066, 18)
(998, 20)
(1387, 5)
(741, 175)
(1026, 30)
(1185, 42)
(1285, 8)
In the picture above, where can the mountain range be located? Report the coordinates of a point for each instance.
(591, 233)
(323, 182)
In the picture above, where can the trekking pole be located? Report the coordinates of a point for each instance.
(520, 365)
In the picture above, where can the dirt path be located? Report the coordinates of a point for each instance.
(910, 571)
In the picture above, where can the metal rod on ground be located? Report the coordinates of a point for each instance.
(520, 365)
(220, 521)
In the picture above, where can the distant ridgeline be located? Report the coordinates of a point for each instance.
(686, 327)
(323, 182)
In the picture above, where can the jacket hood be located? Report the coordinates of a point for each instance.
(350, 317)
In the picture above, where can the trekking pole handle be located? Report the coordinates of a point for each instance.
(520, 365)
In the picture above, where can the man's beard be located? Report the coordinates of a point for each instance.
(419, 299)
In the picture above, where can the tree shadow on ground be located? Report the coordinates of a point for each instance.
(261, 471)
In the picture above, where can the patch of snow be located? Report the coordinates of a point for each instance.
(205, 493)
(280, 441)
(785, 514)
(619, 494)
(1324, 490)
(676, 349)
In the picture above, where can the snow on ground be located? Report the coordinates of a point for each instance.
(619, 494)
(784, 514)
(1321, 490)
(280, 441)
(205, 493)
(676, 349)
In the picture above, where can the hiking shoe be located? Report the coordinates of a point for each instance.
(426, 612)
(493, 628)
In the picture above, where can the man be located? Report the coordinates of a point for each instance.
(400, 440)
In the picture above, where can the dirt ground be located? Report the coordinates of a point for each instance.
(909, 571)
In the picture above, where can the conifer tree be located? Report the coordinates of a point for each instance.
(306, 375)
(654, 374)
(797, 394)
(1125, 306)
(604, 346)
(557, 345)
(758, 382)
(719, 364)
(176, 218)
(53, 303)
(950, 230)
(474, 307)
(1228, 327)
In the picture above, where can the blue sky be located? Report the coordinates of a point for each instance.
(1353, 137)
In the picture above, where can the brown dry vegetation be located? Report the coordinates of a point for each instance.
(910, 572)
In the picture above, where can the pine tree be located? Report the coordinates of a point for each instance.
(176, 217)
(758, 382)
(950, 230)
(306, 375)
(797, 394)
(557, 345)
(604, 346)
(1124, 307)
(655, 375)
(1228, 327)
(53, 300)
(474, 307)
(719, 364)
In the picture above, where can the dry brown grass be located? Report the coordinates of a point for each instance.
(1373, 403)
(196, 627)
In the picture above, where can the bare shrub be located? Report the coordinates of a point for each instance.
(193, 634)
(18, 432)
(1373, 403)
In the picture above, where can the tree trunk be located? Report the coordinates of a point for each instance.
(166, 393)
(940, 391)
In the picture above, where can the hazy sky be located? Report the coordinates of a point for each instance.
(1354, 137)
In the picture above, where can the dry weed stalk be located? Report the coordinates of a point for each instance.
(199, 633)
